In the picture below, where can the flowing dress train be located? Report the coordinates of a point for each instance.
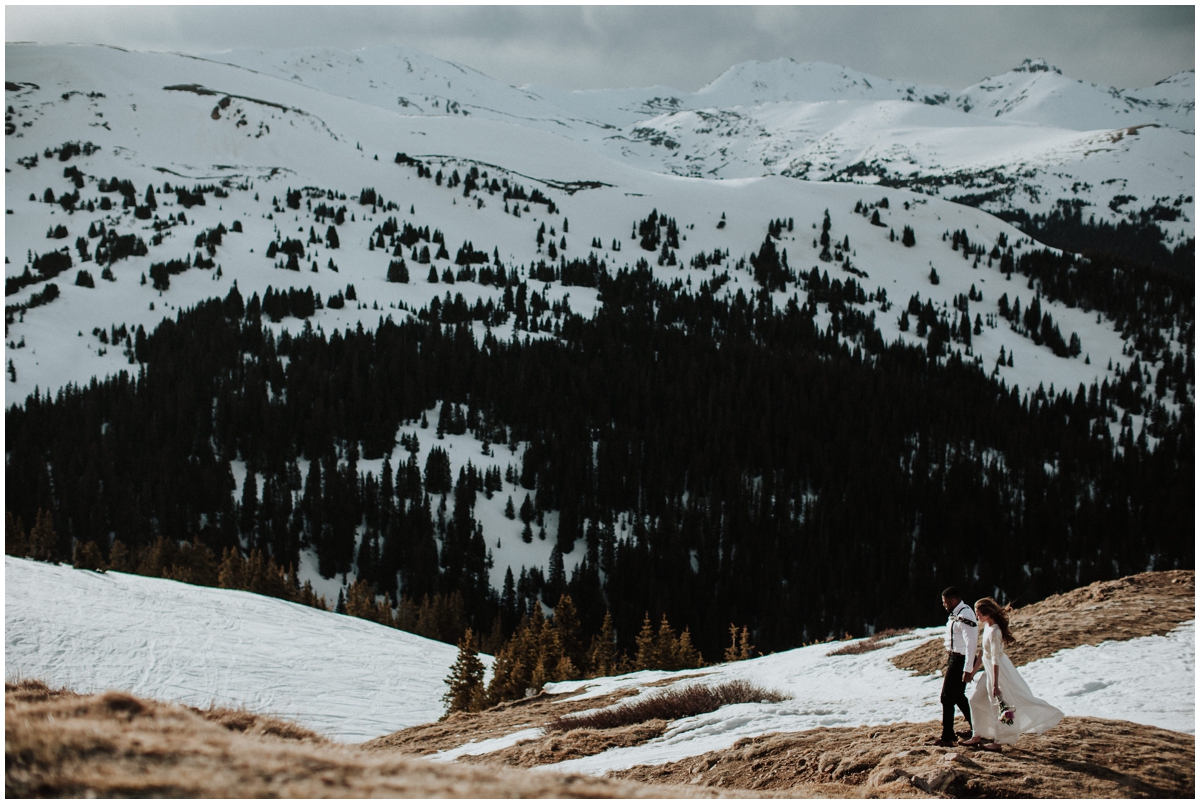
(1030, 714)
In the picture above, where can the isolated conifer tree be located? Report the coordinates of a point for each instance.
(644, 642)
(602, 655)
(686, 655)
(43, 541)
(909, 238)
(466, 693)
(739, 644)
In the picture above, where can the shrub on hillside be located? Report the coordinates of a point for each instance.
(693, 699)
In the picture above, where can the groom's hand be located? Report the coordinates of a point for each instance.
(967, 677)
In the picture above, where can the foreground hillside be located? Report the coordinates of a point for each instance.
(59, 744)
(346, 678)
(853, 725)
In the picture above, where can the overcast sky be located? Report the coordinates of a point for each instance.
(685, 47)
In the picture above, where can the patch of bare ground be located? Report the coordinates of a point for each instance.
(113, 745)
(465, 727)
(1080, 758)
(1136, 606)
(535, 712)
(880, 639)
(559, 747)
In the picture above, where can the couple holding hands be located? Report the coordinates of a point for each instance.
(1001, 707)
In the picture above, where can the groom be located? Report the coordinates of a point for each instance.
(961, 638)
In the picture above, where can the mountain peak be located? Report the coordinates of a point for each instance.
(1036, 66)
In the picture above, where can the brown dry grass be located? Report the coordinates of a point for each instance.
(506, 718)
(552, 748)
(876, 641)
(1081, 758)
(1137, 606)
(59, 744)
(670, 704)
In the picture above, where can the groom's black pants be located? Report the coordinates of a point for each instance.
(954, 693)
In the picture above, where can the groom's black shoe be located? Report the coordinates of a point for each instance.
(944, 743)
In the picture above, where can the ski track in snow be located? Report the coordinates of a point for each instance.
(347, 678)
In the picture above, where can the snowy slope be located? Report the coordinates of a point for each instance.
(147, 134)
(354, 680)
(1107, 681)
(318, 123)
(1031, 132)
(346, 678)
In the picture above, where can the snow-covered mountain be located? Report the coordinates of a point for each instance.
(151, 118)
(91, 128)
(1021, 140)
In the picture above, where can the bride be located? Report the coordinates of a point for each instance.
(1002, 706)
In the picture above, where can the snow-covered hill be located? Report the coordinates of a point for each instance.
(158, 117)
(346, 678)
(327, 126)
(354, 680)
(1021, 140)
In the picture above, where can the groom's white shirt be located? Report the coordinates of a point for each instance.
(962, 631)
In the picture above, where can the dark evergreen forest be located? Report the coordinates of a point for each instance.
(802, 480)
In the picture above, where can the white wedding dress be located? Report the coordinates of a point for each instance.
(1031, 714)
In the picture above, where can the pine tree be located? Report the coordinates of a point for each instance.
(602, 655)
(466, 693)
(87, 556)
(666, 647)
(118, 557)
(739, 644)
(644, 658)
(909, 237)
(745, 649)
(686, 655)
(509, 511)
(16, 543)
(43, 541)
(570, 632)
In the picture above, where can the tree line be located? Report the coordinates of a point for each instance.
(714, 459)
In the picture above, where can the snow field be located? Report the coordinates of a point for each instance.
(1109, 680)
(354, 680)
(347, 678)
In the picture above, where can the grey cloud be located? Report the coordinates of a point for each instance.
(579, 47)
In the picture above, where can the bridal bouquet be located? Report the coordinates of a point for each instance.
(1007, 713)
